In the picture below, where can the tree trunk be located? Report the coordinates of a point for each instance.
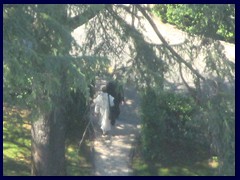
(48, 136)
(40, 146)
(48, 144)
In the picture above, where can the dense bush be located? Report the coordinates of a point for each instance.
(77, 119)
(170, 118)
(219, 113)
(214, 21)
(166, 116)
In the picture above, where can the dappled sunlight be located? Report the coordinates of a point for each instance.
(70, 149)
(120, 127)
(10, 150)
(129, 102)
(27, 126)
(164, 171)
(15, 111)
(142, 168)
(77, 164)
(24, 113)
(16, 141)
(16, 156)
(176, 160)
(213, 162)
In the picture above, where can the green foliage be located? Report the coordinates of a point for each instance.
(38, 70)
(219, 112)
(17, 146)
(179, 159)
(77, 119)
(216, 21)
(16, 142)
(165, 115)
(170, 118)
(78, 162)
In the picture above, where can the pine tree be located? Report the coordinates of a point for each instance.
(40, 73)
(43, 64)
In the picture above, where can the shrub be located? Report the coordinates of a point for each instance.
(165, 116)
(214, 21)
(171, 118)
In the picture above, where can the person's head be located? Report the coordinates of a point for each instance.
(104, 89)
(110, 70)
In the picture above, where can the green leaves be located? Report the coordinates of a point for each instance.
(165, 115)
(215, 21)
(168, 116)
(37, 44)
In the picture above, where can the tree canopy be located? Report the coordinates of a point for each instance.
(43, 63)
(211, 20)
(37, 45)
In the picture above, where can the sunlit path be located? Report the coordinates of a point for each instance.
(112, 151)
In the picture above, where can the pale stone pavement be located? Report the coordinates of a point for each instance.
(111, 152)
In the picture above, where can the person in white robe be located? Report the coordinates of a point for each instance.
(102, 109)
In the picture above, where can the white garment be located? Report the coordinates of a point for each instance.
(102, 108)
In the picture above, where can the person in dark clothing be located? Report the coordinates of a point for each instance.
(114, 89)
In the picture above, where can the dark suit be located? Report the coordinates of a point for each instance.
(116, 91)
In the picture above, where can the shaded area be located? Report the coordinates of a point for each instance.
(178, 159)
(13, 167)
(79, 162)
(17, 147)
(16, 142)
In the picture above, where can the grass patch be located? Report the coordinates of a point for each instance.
(16, 142)
(177, 159)
(17, 147)
(79, 162)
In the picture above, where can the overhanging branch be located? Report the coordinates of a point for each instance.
(175, 54)
(83, 18)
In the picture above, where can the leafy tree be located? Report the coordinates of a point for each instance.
(216, 21)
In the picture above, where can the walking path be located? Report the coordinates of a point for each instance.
(111, 152)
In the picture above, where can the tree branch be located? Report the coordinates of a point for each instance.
(83, 18)
(175, 54)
